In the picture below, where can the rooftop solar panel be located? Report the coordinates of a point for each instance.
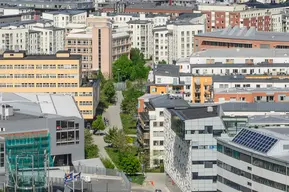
(253, 140)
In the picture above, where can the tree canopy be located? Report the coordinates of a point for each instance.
(129, 103)
(130, 68)
(162, 62)
(91, 150)
(98, 124)
(129, 163)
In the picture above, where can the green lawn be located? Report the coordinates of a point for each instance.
(113, 154)
(128, 123)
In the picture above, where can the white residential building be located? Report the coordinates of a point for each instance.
(191, 148)
(150, 129)
(221, 83)
(142, 36)
(175, 40)
(51, 40)
(37, 37)
(64, 17)
(254, 160)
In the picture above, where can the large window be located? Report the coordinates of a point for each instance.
(67, 132)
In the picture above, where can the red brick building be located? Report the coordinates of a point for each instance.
(240, 37)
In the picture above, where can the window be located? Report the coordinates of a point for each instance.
(208, 164)
(208, 129)
(161, 113)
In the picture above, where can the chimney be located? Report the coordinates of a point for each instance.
(210, 109)
(6, 111)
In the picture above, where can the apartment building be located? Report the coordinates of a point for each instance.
(175, 40)
(123, 18)
(59, 73)
(62, 18)
(220, 16)
(35, 36)
(94, 44)
(234, 37)
(145, 7)
(53, 4)
(254, 160)
(150, 128)
(166, 79)
(191, 147)
(251, 95)
(142, 36)
(26, 113)
(225, 82)
(121, 44)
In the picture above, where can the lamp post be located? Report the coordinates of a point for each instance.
(118, 70)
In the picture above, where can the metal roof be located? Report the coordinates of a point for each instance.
(43, 103)
(247, 34)
(244, 52)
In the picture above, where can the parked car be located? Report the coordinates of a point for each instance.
(100, 133)
(158, 190)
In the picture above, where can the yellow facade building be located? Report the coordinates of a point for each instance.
(59, 73)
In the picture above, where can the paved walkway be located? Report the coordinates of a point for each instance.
(112, 114)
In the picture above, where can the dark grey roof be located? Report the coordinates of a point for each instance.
(248, 34)
(138, 22)
(255, 107)
(241, 78)
(67, 11)
(240, 65)
(195, 112)
(167, 101)
(167, 70)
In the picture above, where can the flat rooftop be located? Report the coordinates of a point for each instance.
(195, 112)
(246, 34)
(243, 79)
(241, 65)
(167, 101)
(243, 52)
(251, 140)
(255, 107)
(35, 104)
(270, 119)
(166, 70)
(249, 90)
(66, 12)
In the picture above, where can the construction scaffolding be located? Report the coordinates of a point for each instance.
(27, 162)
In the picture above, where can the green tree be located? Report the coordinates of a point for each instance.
(162, 62)
(121, 68)
(90, 149)
(109, 91)
(119, 141)
(136, 56)
(129, 163)
(98, 124)
(111, 133)
(129, 103)
(107, 163)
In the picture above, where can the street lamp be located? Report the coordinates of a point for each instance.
(118, 70)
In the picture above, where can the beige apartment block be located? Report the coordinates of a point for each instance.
(121, 44)
(59, 73)
(94, 44)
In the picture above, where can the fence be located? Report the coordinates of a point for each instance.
(96, 185)
(120, 86)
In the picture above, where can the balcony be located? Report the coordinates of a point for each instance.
(144, 120)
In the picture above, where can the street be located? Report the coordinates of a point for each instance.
(113, 115)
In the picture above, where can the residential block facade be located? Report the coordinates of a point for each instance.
(59, 73)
